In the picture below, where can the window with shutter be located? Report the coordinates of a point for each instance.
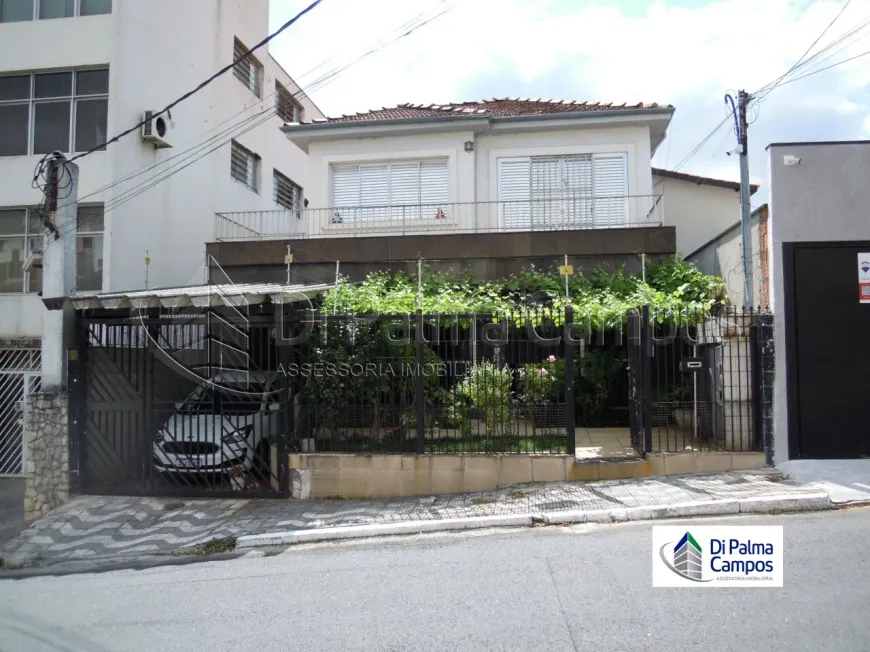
(610, 186)
(286, 193)
(286, 106)
(514, 192)
(556, 191)
(395, 191)
(244, 166)
(249, 71)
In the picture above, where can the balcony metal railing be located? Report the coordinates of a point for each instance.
(577, 213)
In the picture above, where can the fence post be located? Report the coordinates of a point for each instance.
(76, 397)
(419, 394)
(646, 354)
(570, 402)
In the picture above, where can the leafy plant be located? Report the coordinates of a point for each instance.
(542, 382)
(600, 299)
(488, 388)
(600, 367)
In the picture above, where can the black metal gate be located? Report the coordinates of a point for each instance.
(639, 385)
(695, 381)
(189, 406)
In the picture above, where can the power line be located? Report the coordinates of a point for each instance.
(208, 81)
(809, 49)
(319, 83)
(815, 72)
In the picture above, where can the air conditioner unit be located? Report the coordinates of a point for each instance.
(157, 130)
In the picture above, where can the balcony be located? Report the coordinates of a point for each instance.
(572, 214)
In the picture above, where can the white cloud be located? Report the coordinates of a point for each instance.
(687, 56)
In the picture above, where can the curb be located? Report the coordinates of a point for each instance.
(767, 505)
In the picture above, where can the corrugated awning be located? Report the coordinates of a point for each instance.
(198, 296)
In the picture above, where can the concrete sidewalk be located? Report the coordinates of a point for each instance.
(100, 528)
(846, 481)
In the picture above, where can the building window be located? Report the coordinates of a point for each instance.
(249, 71)
(286, 106)
(89, 249)
(394, 191)
(285, 192)
(584, 189)
(22, 233)
(19, 10)
(245, 166)
(44, 112)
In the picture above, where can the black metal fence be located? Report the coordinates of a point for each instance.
(196, 404)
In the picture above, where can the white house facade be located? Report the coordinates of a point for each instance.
(75, 73)
(496, 165)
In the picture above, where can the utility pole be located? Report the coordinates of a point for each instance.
(59, 269)
(745, 210)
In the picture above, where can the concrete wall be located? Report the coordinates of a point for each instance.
(699, 212)
(723, 256)
(156, 51)
(823, 199)
(396, 476)
(486, 255)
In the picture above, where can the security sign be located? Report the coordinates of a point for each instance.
(864, 277)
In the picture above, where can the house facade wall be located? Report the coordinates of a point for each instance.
(723, 256)
(173, 220)
(823, 199)
(473, 176)
(699, 212)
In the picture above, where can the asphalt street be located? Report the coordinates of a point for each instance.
(577, 588)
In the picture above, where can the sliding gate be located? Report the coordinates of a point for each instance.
(180, 408)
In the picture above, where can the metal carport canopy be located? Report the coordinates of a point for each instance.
(197, 296)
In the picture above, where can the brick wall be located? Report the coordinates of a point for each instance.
(764, 298)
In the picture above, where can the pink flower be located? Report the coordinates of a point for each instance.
(551, 359)
(542, 372)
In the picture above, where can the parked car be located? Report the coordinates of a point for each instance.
(224, 426)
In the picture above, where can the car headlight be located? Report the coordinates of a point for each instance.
(238, 436)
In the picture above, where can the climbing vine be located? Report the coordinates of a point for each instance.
(599, 299)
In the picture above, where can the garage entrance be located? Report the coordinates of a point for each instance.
(827, 351)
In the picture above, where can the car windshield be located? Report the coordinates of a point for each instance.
(210, 399)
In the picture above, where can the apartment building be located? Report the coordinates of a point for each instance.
(74, 73)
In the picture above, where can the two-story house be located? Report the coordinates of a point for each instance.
(489, 186)
(77, 72)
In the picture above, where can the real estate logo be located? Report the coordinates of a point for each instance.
(719, 556)
(687, 558)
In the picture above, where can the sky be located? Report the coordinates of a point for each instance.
(688, 53)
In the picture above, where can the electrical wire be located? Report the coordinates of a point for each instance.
(208, 81)
(809, 49)
(815, 72)
(404, 30)
(319, 83)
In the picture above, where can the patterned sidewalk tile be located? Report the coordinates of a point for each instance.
(91, 526)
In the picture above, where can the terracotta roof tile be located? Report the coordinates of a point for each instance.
(496, 107)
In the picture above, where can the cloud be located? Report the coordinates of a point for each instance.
(686, 54)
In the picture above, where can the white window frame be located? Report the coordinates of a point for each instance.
(293, 188)
(251, 178)
(249, 70)
(360, 210)
(73, 97)
(77, 11)
(92, 234)
(563, 209)
(283, 98)
(34, 236)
